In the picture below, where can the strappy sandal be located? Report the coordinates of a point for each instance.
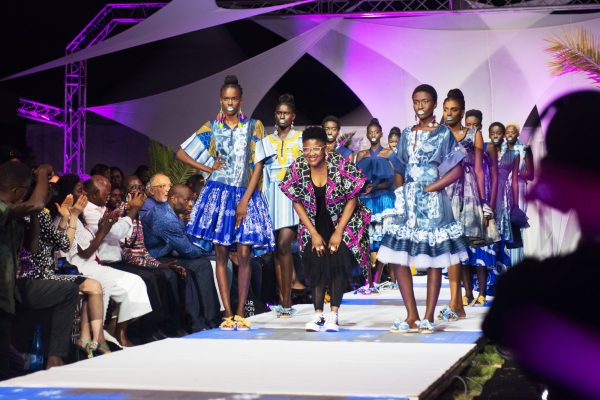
(426, 327)
(90, 348)
(479, 301)
(103, 348)
(403, 327)
(228, 324)
(466, 301)
(283, 312)
(241, 324)
(446, 314)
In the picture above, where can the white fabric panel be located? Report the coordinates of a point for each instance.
(176, 18)
(172, 116)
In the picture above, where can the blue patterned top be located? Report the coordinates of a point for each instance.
(235, 146)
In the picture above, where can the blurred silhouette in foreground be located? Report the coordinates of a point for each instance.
(545, 312)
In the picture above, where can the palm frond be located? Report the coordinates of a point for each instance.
(577, 51)
(162, 160)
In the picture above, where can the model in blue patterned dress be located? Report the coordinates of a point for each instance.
(332, 128)
(484, 256)
(468, 195)
(508, 170)
(423, 231)
(280, 150)
(230, 211)
(526, 173)
(379, 192)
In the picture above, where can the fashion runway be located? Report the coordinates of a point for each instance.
(277, 359)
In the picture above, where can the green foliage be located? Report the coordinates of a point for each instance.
(162, 160)
(483, 366)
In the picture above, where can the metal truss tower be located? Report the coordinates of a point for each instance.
(111, 16)
(374, 7)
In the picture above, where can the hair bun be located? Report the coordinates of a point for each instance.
(374, 121)
(395, 131)
(231, 80)
(286, 98)
(456, 94)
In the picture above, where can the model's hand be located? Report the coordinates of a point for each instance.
(334, 241)
(219, 164)
(318, 244)
(368, 188)
(240, 212)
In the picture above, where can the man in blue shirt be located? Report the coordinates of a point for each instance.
(166, 240)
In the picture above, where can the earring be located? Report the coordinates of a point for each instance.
(220, 117)
(276, 131)
(292, 126)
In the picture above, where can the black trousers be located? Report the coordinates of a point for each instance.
(158, 288)
(61, 299)
(199, 292)
(6, 320)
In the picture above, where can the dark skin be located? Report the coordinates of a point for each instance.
(231, 101)
(467, 270)
(284, 261)
(115, 198)
(497, 137)
(318, 172)
(374, 135)
(453, 109)
(36, 201)
(424, 107)
(99, 196)
(511, 136)
(453, 114)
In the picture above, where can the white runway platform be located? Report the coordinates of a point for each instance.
(277, 359)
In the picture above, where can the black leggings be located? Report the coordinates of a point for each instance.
(336, 285)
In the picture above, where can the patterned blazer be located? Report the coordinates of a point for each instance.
(344, 182)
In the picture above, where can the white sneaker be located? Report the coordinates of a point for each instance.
(331, 323)
(315, 324)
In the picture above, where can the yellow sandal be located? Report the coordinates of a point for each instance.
(241, 324)
(228, 324)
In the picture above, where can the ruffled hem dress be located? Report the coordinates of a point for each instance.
(213, 215)
(421, 229)
(378, 170)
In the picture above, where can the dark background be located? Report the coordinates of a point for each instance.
(32, 33)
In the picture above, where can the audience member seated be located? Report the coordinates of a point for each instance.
(167, 240)
(60, 298)
(116, 177)
(40, 265)
(125, 289)
(134, 252)
(101, 169)
(115, 198)
(143, 172)
(158, 190)
(97, 188)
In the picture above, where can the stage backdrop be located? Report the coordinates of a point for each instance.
(497, 59)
